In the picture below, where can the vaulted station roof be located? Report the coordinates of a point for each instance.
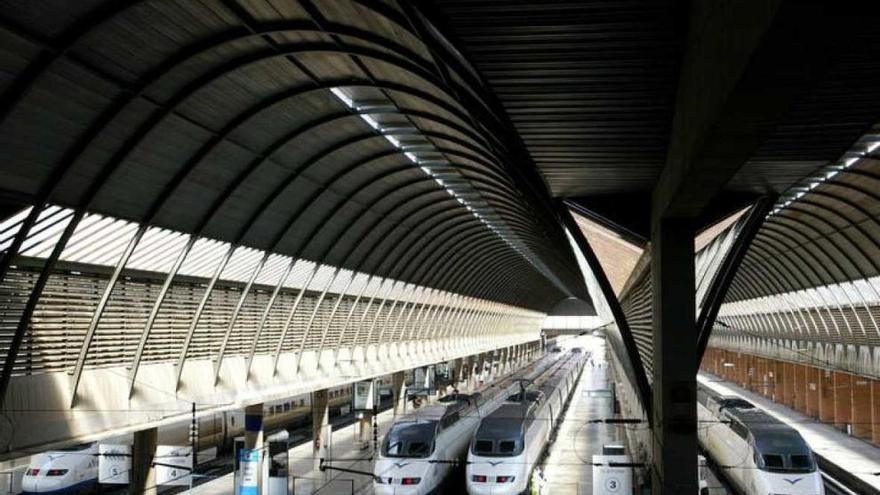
(344, 132)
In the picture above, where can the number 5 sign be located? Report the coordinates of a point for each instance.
(114, 464)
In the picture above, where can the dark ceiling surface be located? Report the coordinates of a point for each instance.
(593, 86)
(589, 85)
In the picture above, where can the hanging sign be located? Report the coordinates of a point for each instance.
(364, 397)
(173, 465)
(114, 464)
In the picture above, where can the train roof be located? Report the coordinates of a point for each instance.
(434, 412)
(505, 422)
(510, 410)
(770, 434)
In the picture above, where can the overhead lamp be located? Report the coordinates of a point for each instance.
(377, 106)
(342, 96)
(400, 130)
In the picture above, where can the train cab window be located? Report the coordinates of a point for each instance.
(410, 440)
(483, 446)
(773, 461)
(507, 447)
(802, 462)
(784, 451)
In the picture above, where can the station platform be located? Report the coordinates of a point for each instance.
(568, 466)
(305, 478)
(346, 451)
(850, 454)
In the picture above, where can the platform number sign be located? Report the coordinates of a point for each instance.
(114, 464)
(173, 465)
(612, 475)
(612, 485)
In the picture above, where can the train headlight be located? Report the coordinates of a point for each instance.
(410, 481)
(32, 472)
(478, 478)
(504, 479)
(383, 481)
(56, 472)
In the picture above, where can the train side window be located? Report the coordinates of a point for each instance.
(286, 406)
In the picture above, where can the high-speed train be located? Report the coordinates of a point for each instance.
(509, 442)
(75, 470)
(419, 451)
(422, 448)
(758, 453)
(72, 470)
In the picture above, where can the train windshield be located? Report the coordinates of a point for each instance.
(498, 438)
(410, 440)
(783, 451)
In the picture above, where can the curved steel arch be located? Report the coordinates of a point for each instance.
(120, 155)
(803, 263)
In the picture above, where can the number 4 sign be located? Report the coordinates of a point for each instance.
(173, 465)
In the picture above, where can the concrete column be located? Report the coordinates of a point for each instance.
(861, 407)
(826, 396)
(674, 467)
(842, 383)
(253, 438)
(398, 393)
(457, 372)
(321, 434)
(365, 430)
(143, 472)
(253, 426)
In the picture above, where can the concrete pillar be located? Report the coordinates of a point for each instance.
(253, 426)
(842, 390)
(457, 372)
(143, 472)
(253, 439)
(861, 407)
(398, 393)
(321, 433)
(365, 429)
(826, 397)
(674, 467)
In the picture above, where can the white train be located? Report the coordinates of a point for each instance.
(75, 470)
(509, 442)
(419, 451)
(422, 448)
(755, 451)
